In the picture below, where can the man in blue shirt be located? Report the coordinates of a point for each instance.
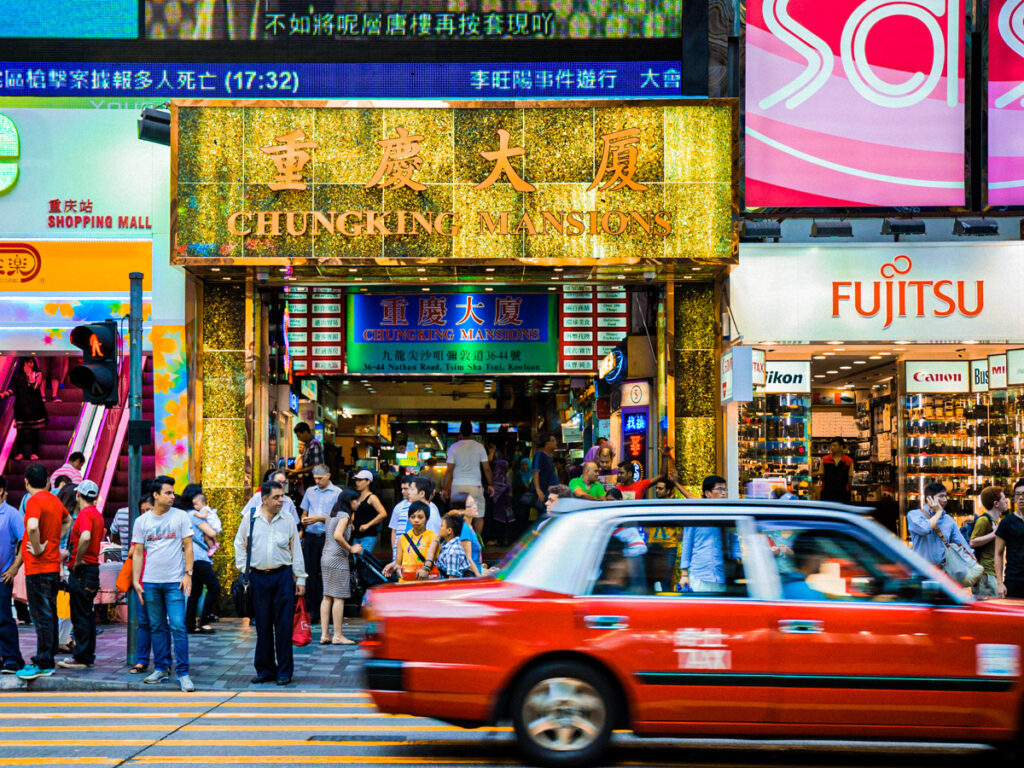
(544, 475)
(12, 531)
(702, 560)
(925, 524)
(316, 507)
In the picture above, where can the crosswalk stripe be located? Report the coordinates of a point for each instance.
(79, 743)
(191, 703)
(354, 728)
(59, 761)
(315, 759)
(173, 743)
(300, 694)
(66, 728)
(129, 715)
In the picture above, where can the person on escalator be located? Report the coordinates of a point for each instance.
(29, 409)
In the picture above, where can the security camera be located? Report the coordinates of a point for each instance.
(649, 276)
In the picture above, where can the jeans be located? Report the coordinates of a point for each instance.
(166, 607)
(42, 604)
(273, 602)
(367, 543)
(699, 585)
(82, 587)
(202, 576)
(312, 549)
(143, 639)
(10, 650)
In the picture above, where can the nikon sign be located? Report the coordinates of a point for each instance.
(546, 184)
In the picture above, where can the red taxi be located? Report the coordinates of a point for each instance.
(796, 619)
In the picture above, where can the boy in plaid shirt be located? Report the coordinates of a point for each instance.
(452, 561)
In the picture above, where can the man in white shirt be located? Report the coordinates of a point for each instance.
(277, 575)
(164, 535)
(316, 507)
(467, 465)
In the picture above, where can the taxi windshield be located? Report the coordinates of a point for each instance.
(535, 562)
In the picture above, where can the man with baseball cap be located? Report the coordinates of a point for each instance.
(84, 575)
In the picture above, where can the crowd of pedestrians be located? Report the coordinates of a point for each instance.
(310, 547)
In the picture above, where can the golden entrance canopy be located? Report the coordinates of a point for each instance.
(596, 183)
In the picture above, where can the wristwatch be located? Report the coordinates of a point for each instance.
(188, 573)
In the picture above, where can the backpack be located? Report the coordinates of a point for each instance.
(968, 527)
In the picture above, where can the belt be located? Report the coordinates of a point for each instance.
(321, 535)
(271, 570)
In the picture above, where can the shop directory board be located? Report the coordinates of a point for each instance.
(455, 333)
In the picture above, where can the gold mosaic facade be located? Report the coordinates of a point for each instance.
(683, 155)
(696, 383)
(223, 384)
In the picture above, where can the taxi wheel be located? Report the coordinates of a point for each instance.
(563, 714)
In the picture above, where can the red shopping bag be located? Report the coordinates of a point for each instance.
(302, 633)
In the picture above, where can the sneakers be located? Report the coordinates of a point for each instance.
(186, 684)
(31, 672)
(72, 664)
(10, 670)
(156, 676)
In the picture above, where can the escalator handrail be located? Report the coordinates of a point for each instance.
(8, 367)
(106, 454)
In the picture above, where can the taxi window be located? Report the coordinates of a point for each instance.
(672, 560)
(817, 562)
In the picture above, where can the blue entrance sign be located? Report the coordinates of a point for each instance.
(449, 80)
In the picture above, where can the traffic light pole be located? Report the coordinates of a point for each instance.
(134, 441)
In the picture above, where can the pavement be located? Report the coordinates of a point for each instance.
(218, 662)
(276, 728)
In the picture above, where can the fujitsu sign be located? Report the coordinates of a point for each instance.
(899, 295)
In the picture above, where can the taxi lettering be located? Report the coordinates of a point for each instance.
(702, 649)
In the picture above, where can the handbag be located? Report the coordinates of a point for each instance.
(241, 588)
(302, 633)
(959, 565)
(125, 576)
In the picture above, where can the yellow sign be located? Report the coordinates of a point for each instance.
(80, 266)
(545, 183)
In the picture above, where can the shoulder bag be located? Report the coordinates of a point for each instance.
(241, 589)
(960, 565)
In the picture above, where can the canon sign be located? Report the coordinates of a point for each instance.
(938, 376)
(926, 377)
(891, 298)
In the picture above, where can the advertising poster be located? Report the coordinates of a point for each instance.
(1006, 102)
(854, 103)
(462, 333)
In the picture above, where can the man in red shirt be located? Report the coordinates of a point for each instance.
(46, 522)
(84, 576)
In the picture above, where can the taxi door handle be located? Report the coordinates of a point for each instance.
(801, 626)
(606, 622)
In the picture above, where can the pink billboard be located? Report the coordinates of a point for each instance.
(854, 103)
(1006, 102)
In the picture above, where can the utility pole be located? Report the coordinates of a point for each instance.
(139, 433)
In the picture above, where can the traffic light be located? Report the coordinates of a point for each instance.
(97, 375)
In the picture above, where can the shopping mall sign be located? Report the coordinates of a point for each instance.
(550, 183)
(929, 292)
(457, 333)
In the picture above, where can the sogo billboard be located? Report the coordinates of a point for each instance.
(854, 103)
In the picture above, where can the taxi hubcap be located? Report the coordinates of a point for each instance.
(563, 713)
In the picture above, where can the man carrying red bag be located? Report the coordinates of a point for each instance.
(272, 556)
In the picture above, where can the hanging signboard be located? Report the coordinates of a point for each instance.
(1005, 46)
(1015, 367)
(928, 376)
(979, 375)
(737, 375)
(997, 371)
(635, 422)
(592, 323)
(315, 334)
(787, 377)
(458, 333)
